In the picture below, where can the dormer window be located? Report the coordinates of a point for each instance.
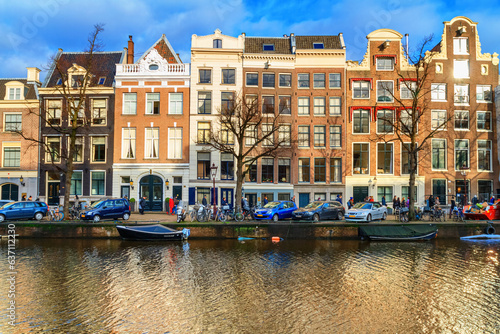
(268, 47)
(14, 93)
(318, 46)
(217, 43)
(101, 81)
(59, 82)
(153, 67)
(15, 90)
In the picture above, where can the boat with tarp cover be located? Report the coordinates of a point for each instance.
(399, 232)
(152, 232)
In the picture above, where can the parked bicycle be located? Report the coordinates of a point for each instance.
(458, 214)
(55, 214)
(403, 215)
(246, 214)
(74, 212)
(437, 214)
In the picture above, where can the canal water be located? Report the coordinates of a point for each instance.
(256, 286)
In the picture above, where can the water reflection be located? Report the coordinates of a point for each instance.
(219, 286)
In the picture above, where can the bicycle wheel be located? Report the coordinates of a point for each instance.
(239, 216)
(59, 216)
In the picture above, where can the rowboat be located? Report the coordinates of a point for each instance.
(399, 232)
(152, 232)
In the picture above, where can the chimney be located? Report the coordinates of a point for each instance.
(130, 53)
(179, 58)
(293, 43)
(33, 75)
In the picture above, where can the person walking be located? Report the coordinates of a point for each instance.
(204, 200)
(23, 198)
(350, 203)
(403, 202)
(293, 199)
(452, 207)
(142, 205)
(30, 198)
(474, 200)
(383, 201)
(265, 200)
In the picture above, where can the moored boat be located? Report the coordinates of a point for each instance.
(152, 232)
(399, 232)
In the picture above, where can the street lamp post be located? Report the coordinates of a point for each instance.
(463, 171)
(213, 171)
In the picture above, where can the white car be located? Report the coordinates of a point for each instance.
(366, 211)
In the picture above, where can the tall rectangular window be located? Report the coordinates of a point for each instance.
(217, 43)
(227, 166)
(319, 170)
(78, 152)
(439, 188)
(205, 76)
(460, 45)
(303, 80)
(361, 89)
(461, 94)
(408, 89)
(319, 136)
(54, 108)
(461, 68)
(360, 158)
(204, 102)
(286, 80)
(334, 80)
(438, 92)
(76, 183)
(319, 106)
(461, 153)
(152, 103)
(303, 103)
(304, 170)
(438, 120)
(303, 136)
(98, 149)
(336, 170)
(14, 93)
(384, 191)
(335, 136)
(483, 93)
(484, 155)
(285, 105)
(251, 175)
(461, 120)
(361, 121)
(99, 111)
(439, 154)
(98, 183)
(227, 135)
(405, 192)
(484, 120)
(385, 91)
(484, 189)
(285, 134)
(203, 166)
(267, 170)
(251, 135)
(268, 80)
(128, 143)
(203, 132)
(385, 158)
(175, 103)
(174, 143)
(227, 103)
(13, 122)
(252, 79)
(228, 76)
(152, 144)
(268, 104)
(267, 130)
(385, 119)
(78, 108)
(405, 159)
(11, 156)
(335, 106)
(319, 80)
(405, 118)
(284, 170)
(129, 104)
(53, 149)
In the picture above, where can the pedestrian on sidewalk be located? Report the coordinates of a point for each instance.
(142, 204)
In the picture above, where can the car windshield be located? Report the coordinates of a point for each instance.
(5, 206)
(313, 205)
(97, 204)
(271, 205)
(363, 206)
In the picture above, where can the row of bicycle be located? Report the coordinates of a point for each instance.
(434, 213)
(56, 213)
(203, 213)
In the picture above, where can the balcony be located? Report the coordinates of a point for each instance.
(138, 70)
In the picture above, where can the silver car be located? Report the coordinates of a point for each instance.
(366, 211)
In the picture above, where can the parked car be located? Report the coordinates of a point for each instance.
(319, 210)
(276, 210)
(23, 210)
(5, 201)
(366, 211)
(107, 209)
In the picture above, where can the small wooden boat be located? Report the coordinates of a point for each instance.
(399, 232)
(152, 232)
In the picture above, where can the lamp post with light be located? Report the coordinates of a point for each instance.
(213, 171)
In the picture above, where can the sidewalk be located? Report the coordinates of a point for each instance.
(162, 217)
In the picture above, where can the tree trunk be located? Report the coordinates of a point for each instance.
(411, 188)
(239, 184)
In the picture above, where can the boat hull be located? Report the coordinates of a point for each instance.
(151, 232)
(399, 232)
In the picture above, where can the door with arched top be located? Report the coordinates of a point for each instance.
(151, 187)
(10, 191)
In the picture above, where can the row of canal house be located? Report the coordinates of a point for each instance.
(145, 117)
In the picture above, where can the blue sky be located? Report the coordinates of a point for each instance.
(33, 30)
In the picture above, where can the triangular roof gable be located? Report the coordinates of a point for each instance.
(164, 49)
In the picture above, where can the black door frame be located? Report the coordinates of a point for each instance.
(152, 181)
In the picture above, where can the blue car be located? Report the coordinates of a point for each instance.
(23, 210)
(276, 210)
(107, 209)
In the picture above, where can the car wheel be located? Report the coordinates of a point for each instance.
(38, 216)
(2, 218)
(275, 217)
(97, 218)
(369, 218)
(316, 218)
(340, 215)
(384, 216)
(126, 216)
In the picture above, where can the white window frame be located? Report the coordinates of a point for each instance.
(392, 158)
(459, 47)
(222, 76)
(175, 143)
(384, 68)
(369, 122)
(461, 68)
(319, 81)
(151, 103)
(393, 111)
(438, 92)
(405, 92)
(330, 75)
(246, 79)
(58, 112)
(390, 93)
(352, 158)
(319, 106)
(15, 93)
(461, 94)
(5, 114)
(443, 120)
(105, 149)
(82, 138)
(279, 80)
(175, 106)
(332, 106)
(477, 122)
(80, 193)
(480, 89)
(361, 84)
(491, 156)
(455, 117)
(401, 157)
(91, 178)
(445, 154)
(285, 136)
(47, 153)
(130, 141)
(251, 135)
(5, 145)
(92, 101)
(128, 105)
(455, 154)
(154, 138)
(304, 98)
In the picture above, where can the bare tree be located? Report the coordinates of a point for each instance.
(72, 81)
(247, 133)
(412, 111)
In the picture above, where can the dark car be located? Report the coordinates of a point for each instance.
(276, 210)
(5, 201)
(319, 210)
(23, 210)
(107, 209)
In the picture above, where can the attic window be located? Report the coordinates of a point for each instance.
(101, 80)
(153, 67)
(217, 43)
(268, 47)
(59, 82)
(318, 46)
